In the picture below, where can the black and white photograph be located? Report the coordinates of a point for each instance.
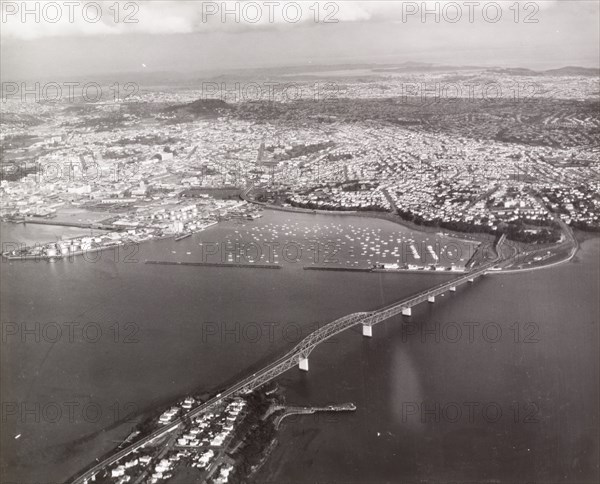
(300, 242)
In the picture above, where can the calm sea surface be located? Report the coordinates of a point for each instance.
(496, 382)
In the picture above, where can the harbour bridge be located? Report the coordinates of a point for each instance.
(300, 353)
(298, 356)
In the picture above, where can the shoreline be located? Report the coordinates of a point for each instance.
(479, 238)
(71, 255)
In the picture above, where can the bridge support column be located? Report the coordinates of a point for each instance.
(406, 312)
(453, 288)
(303, 364)
(367, 330)
(431, 299)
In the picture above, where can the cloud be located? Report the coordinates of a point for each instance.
(47, 18)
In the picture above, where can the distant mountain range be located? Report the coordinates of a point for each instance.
(563, 71)
(518, 71)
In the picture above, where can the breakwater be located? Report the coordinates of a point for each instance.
(213, 264)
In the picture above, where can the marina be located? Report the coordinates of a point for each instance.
(353, 244)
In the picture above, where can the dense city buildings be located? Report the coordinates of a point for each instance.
(159, 163)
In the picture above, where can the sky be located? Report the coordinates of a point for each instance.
(57, 39)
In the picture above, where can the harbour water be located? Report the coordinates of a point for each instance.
(145, 335)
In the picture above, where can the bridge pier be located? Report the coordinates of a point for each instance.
(453, 288)
(367, 330)
(407, 312)
(303, 363)
(431, 299)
